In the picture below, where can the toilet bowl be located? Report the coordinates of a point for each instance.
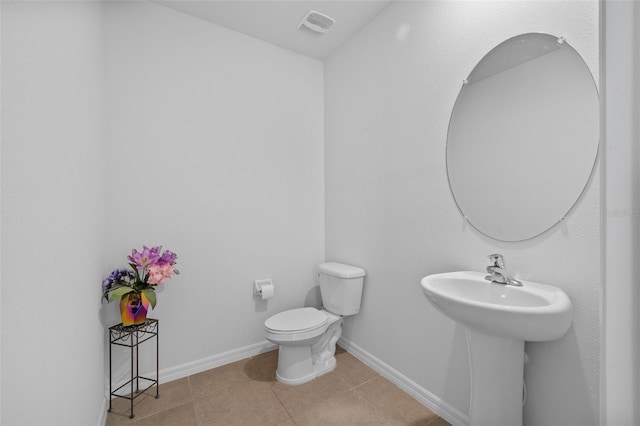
(307, 337)
(307, 340)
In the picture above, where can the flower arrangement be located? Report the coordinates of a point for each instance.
(149, 268)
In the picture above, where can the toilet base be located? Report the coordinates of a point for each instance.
(301, 364)
(297, 373)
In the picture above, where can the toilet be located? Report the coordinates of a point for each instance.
(307, 337)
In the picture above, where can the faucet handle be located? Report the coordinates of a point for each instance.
(497, 260)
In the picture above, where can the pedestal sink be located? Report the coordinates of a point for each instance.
(499, 319)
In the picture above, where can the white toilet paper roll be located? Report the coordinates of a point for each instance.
(267, 291)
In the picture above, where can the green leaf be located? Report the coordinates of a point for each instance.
(151, 296)
(118, 292)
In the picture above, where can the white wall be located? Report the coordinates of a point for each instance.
(215, 147)
(389, 93)
(216, 152)
(621, 208)
(53, 186)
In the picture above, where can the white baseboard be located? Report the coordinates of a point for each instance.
(213, 361)
(102, 416)
(423, 396)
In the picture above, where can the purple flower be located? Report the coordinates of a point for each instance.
(168, 257)
(106, 285)
(147, 257)
(118, 276)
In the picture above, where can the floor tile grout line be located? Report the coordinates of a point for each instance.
(366, 381)
(193, 401)
(281, 403)
(434, 420)
(379, 413)
(146, 396)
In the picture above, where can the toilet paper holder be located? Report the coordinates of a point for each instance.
(257, 286)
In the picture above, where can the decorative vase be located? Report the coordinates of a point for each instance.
(134, 308)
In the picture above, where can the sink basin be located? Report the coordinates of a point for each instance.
(498, 319)
(534, 312)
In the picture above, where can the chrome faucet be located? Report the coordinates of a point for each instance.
(499, 274)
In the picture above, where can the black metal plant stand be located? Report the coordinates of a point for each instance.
(132, 336)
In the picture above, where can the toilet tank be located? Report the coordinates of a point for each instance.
(341, 287)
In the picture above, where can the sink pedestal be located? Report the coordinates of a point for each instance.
(499, 319)
(497, 368)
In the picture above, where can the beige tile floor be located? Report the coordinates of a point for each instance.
(246, 393)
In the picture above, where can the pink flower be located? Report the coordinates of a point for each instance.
(159, 272)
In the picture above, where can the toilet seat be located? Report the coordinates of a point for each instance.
(296, 325)
(301, 319)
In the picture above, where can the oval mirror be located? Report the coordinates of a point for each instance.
(523, 137)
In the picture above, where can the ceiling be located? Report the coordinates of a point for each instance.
(276, 21)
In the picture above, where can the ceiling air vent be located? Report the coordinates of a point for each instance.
(317, 22)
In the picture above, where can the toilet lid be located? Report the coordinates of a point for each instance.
(296, 320)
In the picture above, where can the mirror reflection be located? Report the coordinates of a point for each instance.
(523, 137)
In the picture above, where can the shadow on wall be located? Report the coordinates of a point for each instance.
(547, 359)
(458, 384)
(313, 298)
